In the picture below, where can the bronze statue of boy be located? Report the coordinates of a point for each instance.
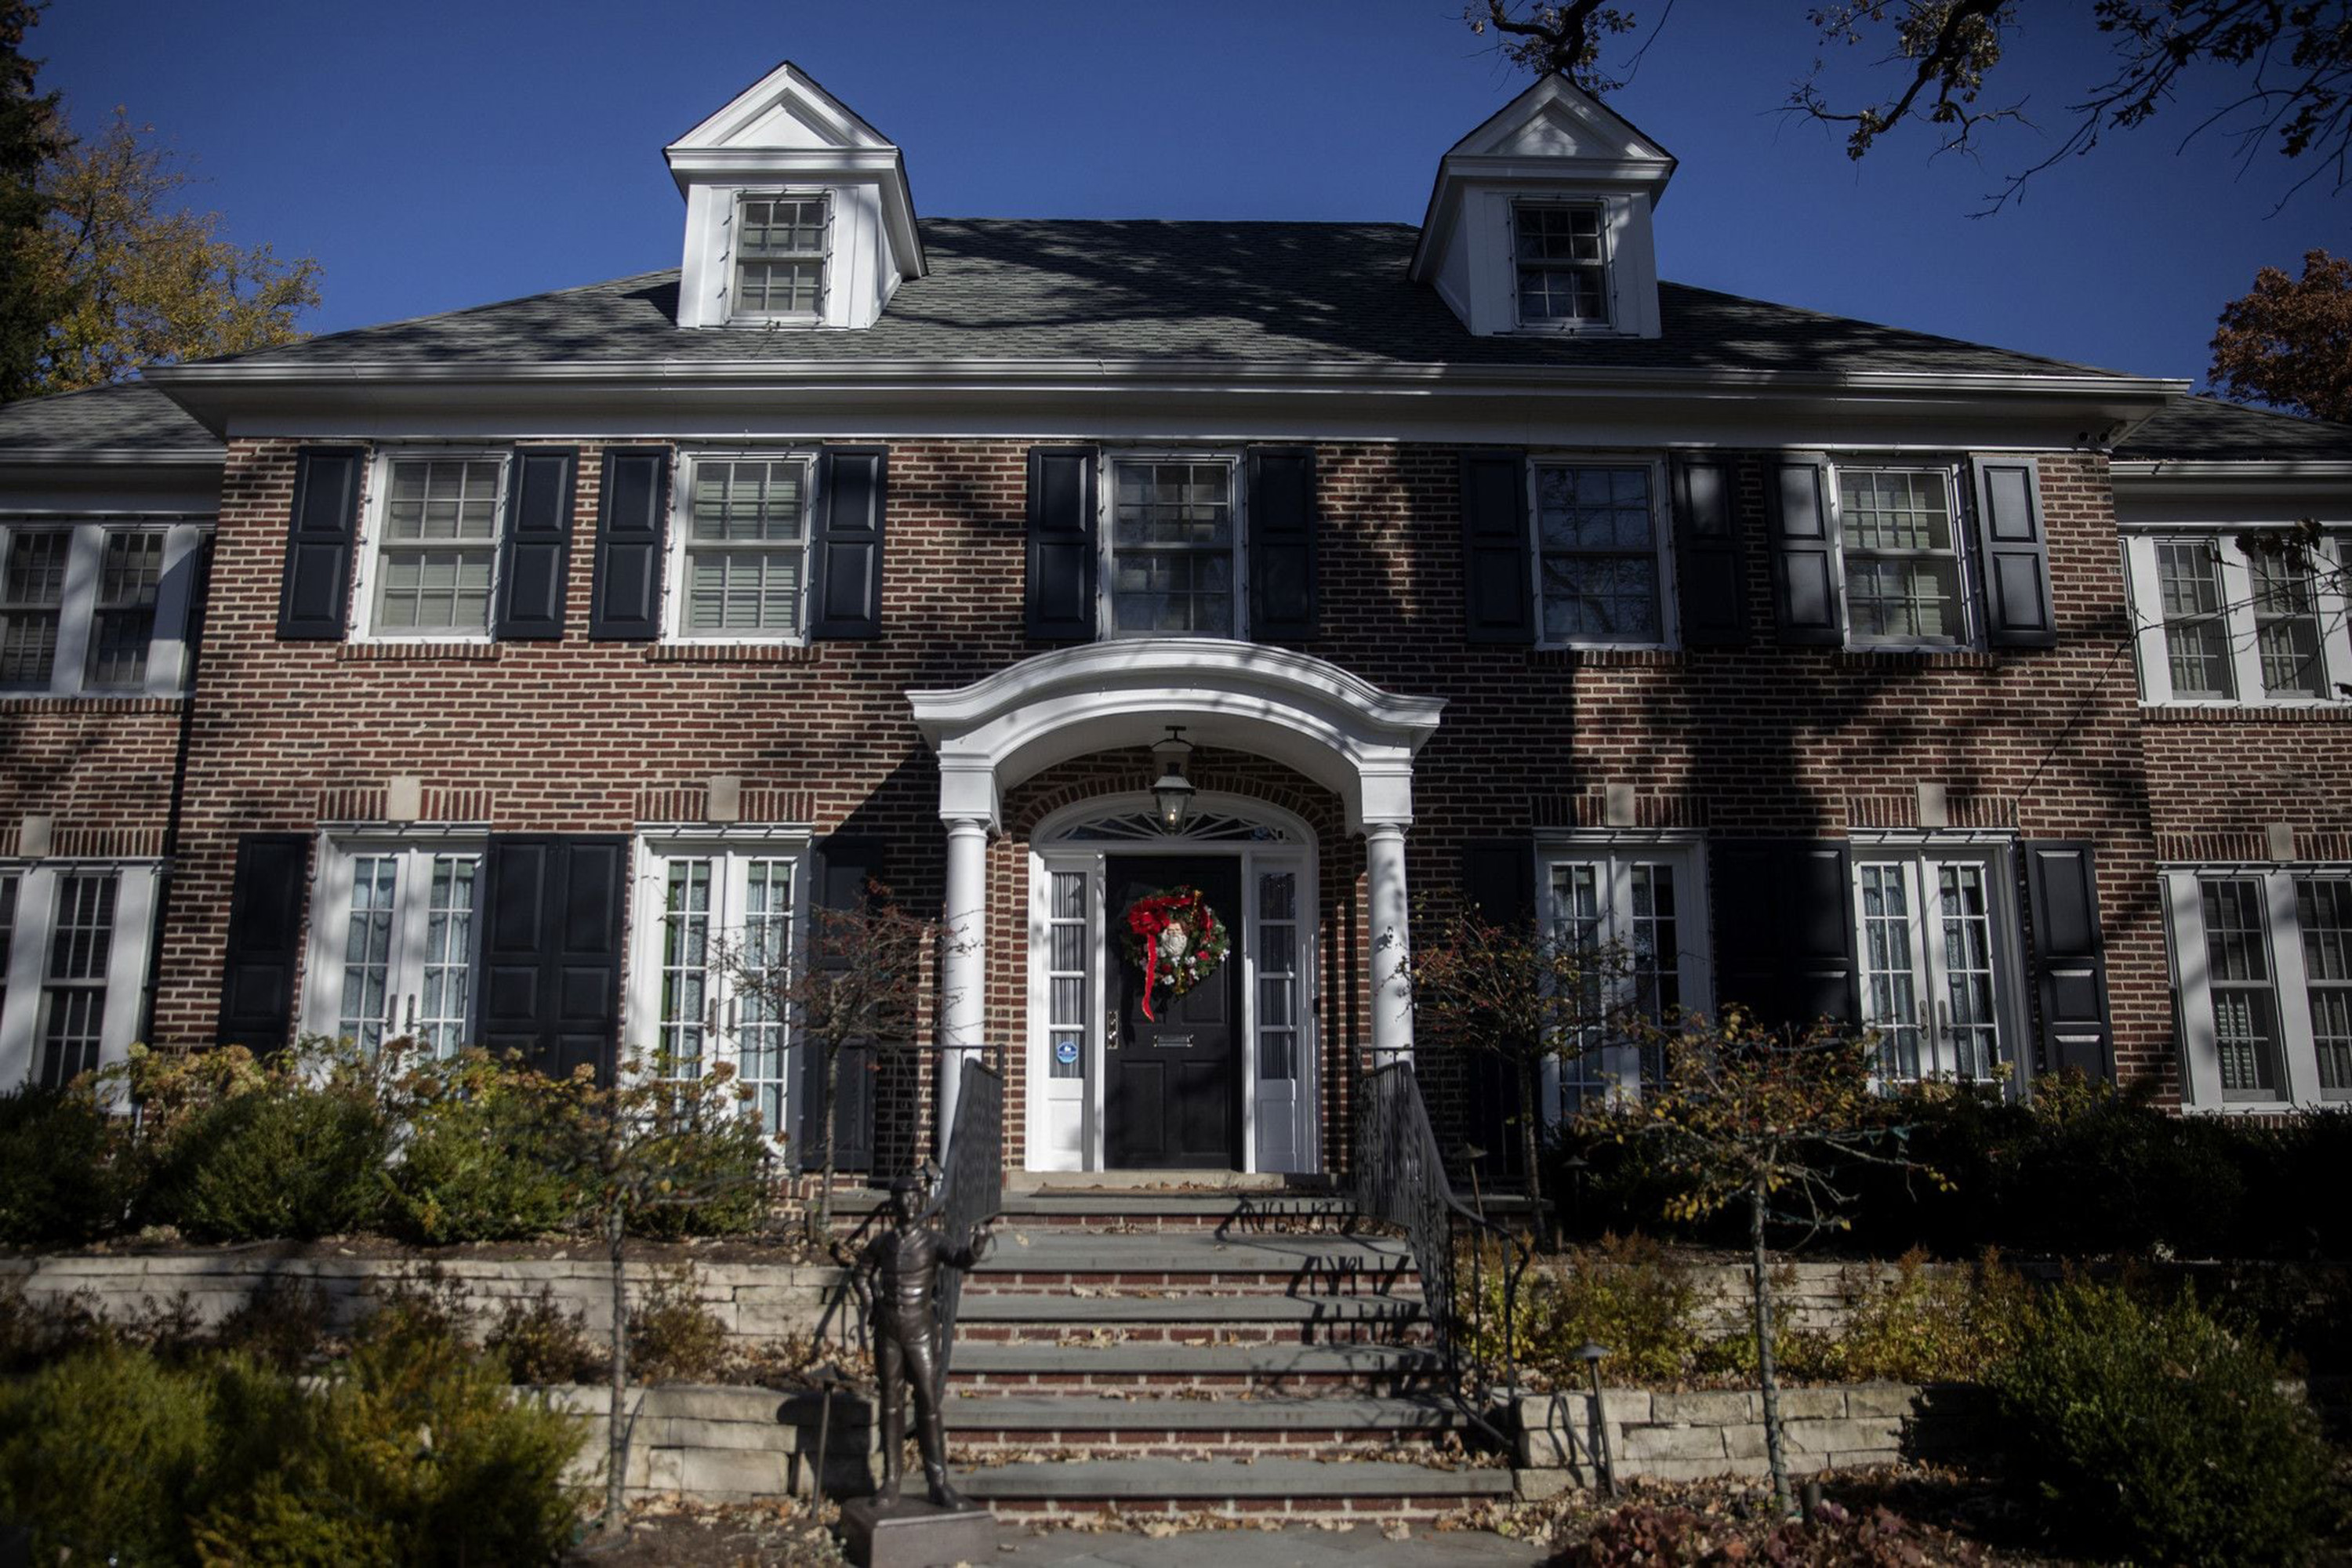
(905, 1260)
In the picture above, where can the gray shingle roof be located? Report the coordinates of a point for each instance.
(104, 418)
(2208, 428)
(1037, 289)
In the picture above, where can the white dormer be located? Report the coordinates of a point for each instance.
(1540, 223)
(797, 211)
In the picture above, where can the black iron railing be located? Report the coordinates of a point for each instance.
(972, 1185)
(1470, 1267)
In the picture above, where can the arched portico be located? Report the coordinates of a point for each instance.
(1340, 730)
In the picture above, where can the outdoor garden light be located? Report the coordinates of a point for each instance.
(1591, 1354)
(1174, 791)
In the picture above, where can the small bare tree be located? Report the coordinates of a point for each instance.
(1520, 993)
(1764, 1119)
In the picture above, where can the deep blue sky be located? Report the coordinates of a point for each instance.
(434, 155)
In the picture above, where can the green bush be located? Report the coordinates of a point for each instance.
(1924, 1325)
(63, 1177)
(1627, 1293)
(483, 1161)
(285, 1160)
(2157, 1433)
(673, 1337)
(101, 1454)
(539, 1343)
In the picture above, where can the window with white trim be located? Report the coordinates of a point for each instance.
(394, 940)
(1561, 250)
(1636, 910)
(1172, 546)
(1900, 531)
(2217, 625)
(718, 932)
(1600, 572)
(741, 546)
(780, 245)
(90, 608)
(434, 549)
(73, 960)
(2263, 959)
(1938, 969)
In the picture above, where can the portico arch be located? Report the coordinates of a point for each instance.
(1307, 713)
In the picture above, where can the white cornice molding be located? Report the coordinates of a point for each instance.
(2209, 472)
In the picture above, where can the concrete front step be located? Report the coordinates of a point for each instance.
(1049, 1317)
(1077, 1424)
(1305, 1488)
(1318, 1265)
(1075, 1363)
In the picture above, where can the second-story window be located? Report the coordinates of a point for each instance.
(1173, 548)
(1561, 251)
(779, 247)
(1902, 546)
(82, 606)
(743, 547)
(1597, 542)
(439, 547)
(2217, 623)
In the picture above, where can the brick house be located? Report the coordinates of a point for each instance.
(548, 648)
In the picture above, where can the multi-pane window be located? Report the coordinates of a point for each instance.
(10, 882)
(1933, 981)
(94, 606)
(724, 929)
(73, 986)
(745, 547)
(399, 924)
(1066, 984)
(1174, 538)
(32, 597)
(1902, 552)
(1562, 256)
(1279, 975)
(1629, 912)
(122, 624)
(2219, 623)
(2262, 960)
(439, 547)
(1597, 543)
(780, 245)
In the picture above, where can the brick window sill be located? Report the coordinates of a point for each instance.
(731, 653)
(1605, 658)
(2199, 713)
(417, 653)
(35, 702)
(1916, 658)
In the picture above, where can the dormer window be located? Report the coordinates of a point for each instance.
(779, 253)
(1563, 253)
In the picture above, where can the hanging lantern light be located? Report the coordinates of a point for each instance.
(1173, 792)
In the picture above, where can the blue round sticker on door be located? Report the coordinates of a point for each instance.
(1065, 1051)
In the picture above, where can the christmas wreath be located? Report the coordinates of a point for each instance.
(1174, 937)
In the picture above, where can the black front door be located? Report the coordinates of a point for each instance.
(1173, 1082)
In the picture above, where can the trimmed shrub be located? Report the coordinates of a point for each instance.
(101, 1453)
(283, 1160)
(539, 1343)
(1625, 1292)
(2159, 1433)
(63, 1177)
(1924, 1326)
(484, 1160)
(673, 1337)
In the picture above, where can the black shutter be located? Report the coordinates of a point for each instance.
(264, 938)
(552, 951)
(846, 553)
(538, 543)
(1783, 930)
(1498, 876)
(2016, 553)
(845, 869)
(1711, 585)
(314, 601)
(1499, 590)
(1499, 879)
(631, 519)
(1806, 593)
(1062, 543)
(1281, 524)
(2069, 959)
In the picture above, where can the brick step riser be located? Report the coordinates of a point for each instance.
(985, 1447)
(1289, 1282)
(1180, 1384)
(1334, 1227)
(1366, 1513)
(1340, 1331)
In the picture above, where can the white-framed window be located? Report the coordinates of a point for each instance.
(1639, 907)
(2261, 959)
(429, 568)
(739, 545)
(95, 607)
(396, 937)
(779, 249)
(720, 923)
(1603, 575)
(2217, 626)
(1559, 251)
(73, 963)
(1172, 562)
(1902, 528)
(1936, 932)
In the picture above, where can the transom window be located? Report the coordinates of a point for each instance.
(2264, 957)
(1934, 979)
(438, 548)
(780, 249)
(1633, 909)
(1597, 539)
(2218, 624)
(1563, 265)
(1902, 550)
(81, 606)
(395, 939)
(1172, 543)
(744, 547)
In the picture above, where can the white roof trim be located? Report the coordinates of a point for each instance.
(787, 81)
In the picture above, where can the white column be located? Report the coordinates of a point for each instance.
(1391, 945)
(963, 968)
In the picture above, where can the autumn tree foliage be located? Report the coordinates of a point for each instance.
(2288, 341)
(31, 134)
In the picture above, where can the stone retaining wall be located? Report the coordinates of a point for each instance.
(725, 1445)
(757, 1302)
(1697, 1435)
